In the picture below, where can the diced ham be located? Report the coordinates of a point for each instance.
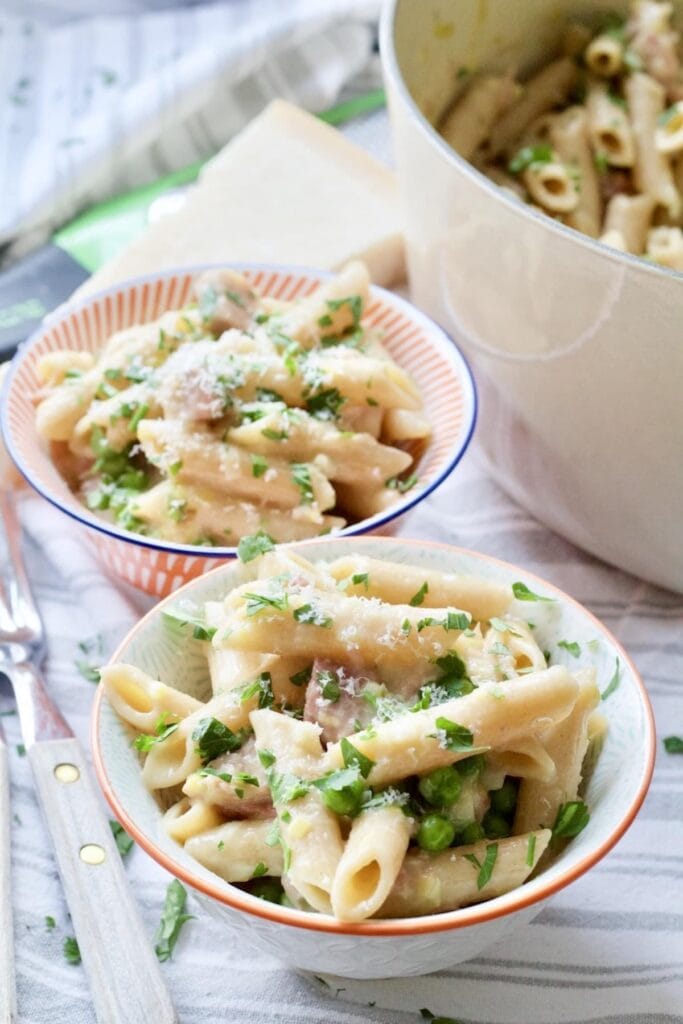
(225, 299)
(343, 716)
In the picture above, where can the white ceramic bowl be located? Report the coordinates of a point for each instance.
(408, 946)
(577, 348)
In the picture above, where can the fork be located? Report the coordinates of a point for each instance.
(125, 978)
(8, 1007)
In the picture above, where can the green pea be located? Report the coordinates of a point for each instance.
(495, 825)
(504, 800)
(435, 833)
(343, 791)
(441, 788)
(267, 889)
(471, 766)
(472, 833)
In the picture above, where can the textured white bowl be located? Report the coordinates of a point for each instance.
(410, 946)
(576, 347)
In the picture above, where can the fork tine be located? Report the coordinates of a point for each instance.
(17, 603)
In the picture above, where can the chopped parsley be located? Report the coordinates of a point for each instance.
(72, 953)
(353, 758)
(453, 620)
(251, 546)
(418, 598)
(223, 776)
(531, 850)
(522, 593)
(259, 602)
(92, 649)
(452, 736)
(247, 779)
(503, 627)
(601, 162)
(177, 509)
(173, 918)
(571, 819)
(123, 841)
(313, 616)
(530, 157)
(424, 1012)
(571, 646)
(343, 791)
(286, 787)
(325, 405)
(301, 475)
(395, 483)
(275, 435)
(213, 738)
(261, 686)
(355, 304)
(329, 685)
(299, 678)
(144, 742)
(259, 465)
(50, 922)
(359, 578)
(486, 866)
(267, 758)
(668, 114)
(259, 870)
(673, 744)
(613, 683)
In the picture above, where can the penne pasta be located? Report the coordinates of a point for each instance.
(470, 121)
(432, 884)
(369, 750)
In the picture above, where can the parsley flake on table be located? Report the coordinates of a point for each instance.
(673, 744)
(124, 843)
(173, 917)
(72, 953)
(92, 651)
(428, 1015)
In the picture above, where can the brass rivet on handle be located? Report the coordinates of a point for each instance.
(92, 853)
(67, 773)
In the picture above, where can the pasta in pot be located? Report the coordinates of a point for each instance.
(594, 139)
(381, 741)
(238, 413)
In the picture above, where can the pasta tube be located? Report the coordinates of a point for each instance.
(569, 136)
(652, 171)
(483, 599)
(433, 883)
(370, 864)
(609, 128)
(187, 818)
(468, 124)
(547, 89)
(237, 850)
(496, 716)
(628, 219)
(140, 700)
(565, 743)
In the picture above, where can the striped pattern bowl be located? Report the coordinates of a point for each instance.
(159, 567)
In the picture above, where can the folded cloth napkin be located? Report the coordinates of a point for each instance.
(607, 949)
(95, 106)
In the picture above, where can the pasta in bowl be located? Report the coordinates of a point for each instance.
(372, 749)
(177, 414)
(595, 137)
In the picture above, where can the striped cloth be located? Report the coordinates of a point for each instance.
(609, 948)
(92, 107)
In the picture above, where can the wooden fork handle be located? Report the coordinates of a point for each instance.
(124, 975)
(8, 1006)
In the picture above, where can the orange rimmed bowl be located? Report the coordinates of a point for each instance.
(410, 946)
(160, 567)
